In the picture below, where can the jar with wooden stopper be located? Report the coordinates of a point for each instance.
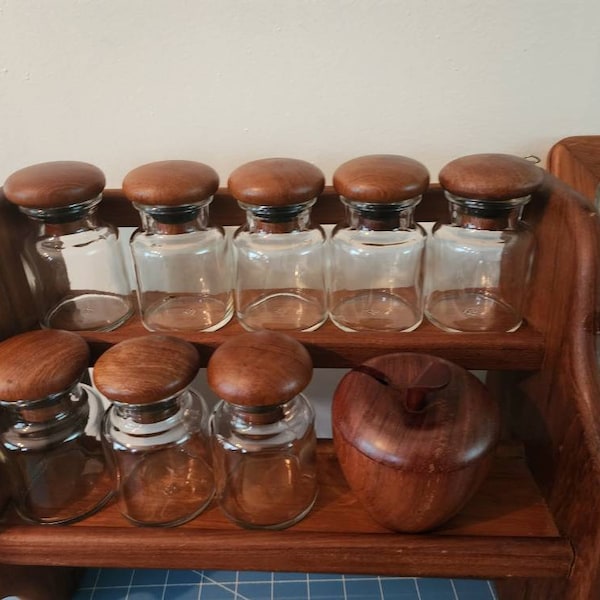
(155, 431)
(77, 268)
(376, 253)
(478, 265)
(51, 444)
(264, 442)
(182, 262)
(280, 254)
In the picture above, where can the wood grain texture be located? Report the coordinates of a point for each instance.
(276, 182)
(170, 183)
(18, 311)
(556, 410)
(576, 161)
(146, 369)
(261, 368)
(331, 347)
(54, 184)
(430, 460)
(35, 364)
(491, 177)
(497, 534)
(381, 179)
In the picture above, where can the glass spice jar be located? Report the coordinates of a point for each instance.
(280, 255)
(77, 271)
(155, 432)
(182, 263)
(51, 443)
(478, 266)
(376, 254)
(264, 442)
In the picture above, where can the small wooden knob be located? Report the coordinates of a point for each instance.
(381, 178)
(54, 184)
(491, 177)
(170, 183)
(262, 368)
(276, 182)
(39, 363)
(146, 369)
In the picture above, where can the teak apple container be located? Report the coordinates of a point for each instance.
(415, 437)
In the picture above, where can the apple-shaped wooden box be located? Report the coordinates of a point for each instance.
(415, 437)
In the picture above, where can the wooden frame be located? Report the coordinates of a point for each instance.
(534, 525)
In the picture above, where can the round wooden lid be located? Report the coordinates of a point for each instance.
(146, 369)
(491, 177)
(261, 368)
(276, 182)
(381, 179)
(170, 183)
(39, 363)
(458, 423)
(54, 184)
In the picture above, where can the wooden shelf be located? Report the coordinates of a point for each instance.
(331, 347)
(505, 529)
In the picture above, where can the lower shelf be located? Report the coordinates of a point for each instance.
(506, 530)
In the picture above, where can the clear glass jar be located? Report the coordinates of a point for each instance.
(51, 444)
(155, 432)
(264, 441)
(478, 266)
(182, 263)
(279, 254)
(74, 260)
(376, 254)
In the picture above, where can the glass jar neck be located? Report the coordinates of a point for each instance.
(63, 220)
(490, 215)
(148, 414)
(381, 217)
(278, 219)
(37, 423)
(174, 220)
(251, 416)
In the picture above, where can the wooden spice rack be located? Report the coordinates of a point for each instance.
(534, 525)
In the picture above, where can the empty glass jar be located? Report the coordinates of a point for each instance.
(478, 266)
(75, 263)
(280, 263)
(51, 443)
(376, 254)
(182, 263)
(264, 442)
(155, 432)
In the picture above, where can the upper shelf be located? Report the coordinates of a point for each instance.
(331, 347)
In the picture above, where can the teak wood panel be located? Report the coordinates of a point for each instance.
(551, 403)
(505, 530)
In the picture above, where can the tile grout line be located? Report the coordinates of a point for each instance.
(454, 590)
(129, 586)
(417, 588)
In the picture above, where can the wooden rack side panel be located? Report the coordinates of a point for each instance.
(558, 410)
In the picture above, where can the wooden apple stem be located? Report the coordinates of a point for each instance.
(434, 376)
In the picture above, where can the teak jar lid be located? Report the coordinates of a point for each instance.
(491, 177)
(40, 363)
(381, 179)
(456, 425)
(170, 183)
(276, 182)
(261, 368)
(146, 369)
(54, 184)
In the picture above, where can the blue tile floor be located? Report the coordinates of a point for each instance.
(158, 584)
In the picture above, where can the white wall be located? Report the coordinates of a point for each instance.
(120, 83)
